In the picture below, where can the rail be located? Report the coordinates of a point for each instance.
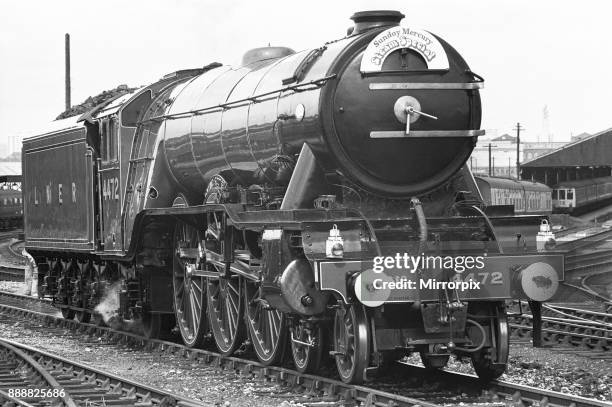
(583, 242)
(14, 355)
(358, 394)
(65, 378)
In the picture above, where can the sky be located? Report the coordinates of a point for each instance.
(531, 53)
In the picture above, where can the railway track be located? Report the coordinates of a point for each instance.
(35, 377)
(15, 248)
(581, 336)
(12, 263)
(11, 260)
(24, 308)
(582, 287)
(577, 258)
(601, 288)
(589, 266)
(581, 266)
(589, 241)
(570, 327)
(579, 313)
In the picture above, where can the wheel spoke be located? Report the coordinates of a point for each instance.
(188, 291)
(225, 308)
(196, 307)
(187, 311)
(234, 289)
(198, 285)
(275, 324)
(231, 322)
(269, 330)
(232, 300)
(351, 338)
(193, 312)
(195, 296)
(261, 322)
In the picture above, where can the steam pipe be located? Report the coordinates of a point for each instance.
(417, 206)
(482, 343)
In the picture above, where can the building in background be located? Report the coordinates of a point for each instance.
(587, 158)
(532, 150)
(10, 146)
(14, 144)
(503, 154)
(10, 168)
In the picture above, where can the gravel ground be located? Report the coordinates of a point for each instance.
(564, 372)
(547, 368)
(175, 374)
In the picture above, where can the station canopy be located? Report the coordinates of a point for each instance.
(595, 150)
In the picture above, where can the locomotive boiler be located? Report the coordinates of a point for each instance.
(313, 204)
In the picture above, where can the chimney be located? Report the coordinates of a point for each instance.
(366, 20)
(68, 104)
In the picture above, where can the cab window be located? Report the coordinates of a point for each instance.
(570, 194)
(554, 194)
(562, 194)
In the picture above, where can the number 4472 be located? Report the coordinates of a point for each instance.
(485, 277)
(110, 189)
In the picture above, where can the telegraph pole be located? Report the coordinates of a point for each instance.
(518, 129)
(68, 104)
(489, 159)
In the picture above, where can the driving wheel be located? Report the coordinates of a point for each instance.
(351, 342)
(267, 326)
(189, 301)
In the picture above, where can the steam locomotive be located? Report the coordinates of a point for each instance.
(267, 205)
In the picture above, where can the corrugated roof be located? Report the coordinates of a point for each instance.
(590, 151)
(510, 183)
